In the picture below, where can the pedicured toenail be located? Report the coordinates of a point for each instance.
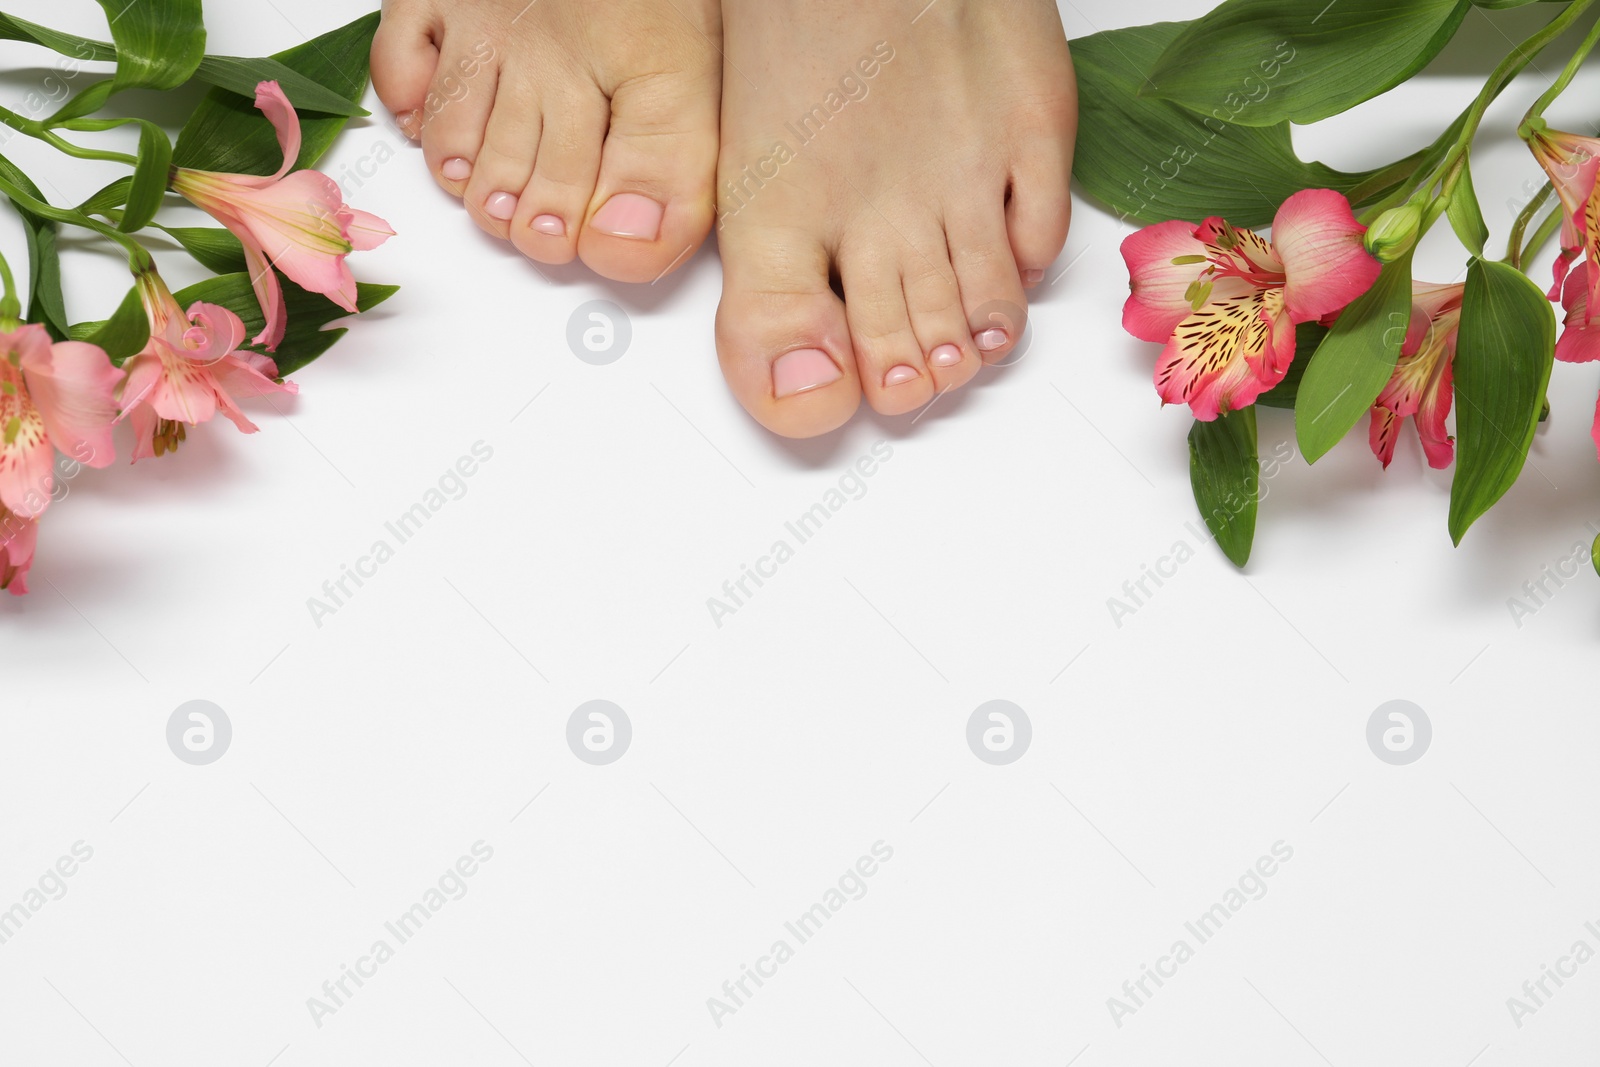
(802, 370)
(456, 170)
(500, 206)
(991, 339)
(410, 123)
(945, 356)
(1031, 278)
(630, 215)
(549, 224)
(901, 375)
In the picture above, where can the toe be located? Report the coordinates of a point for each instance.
(551, 211)
(889, 360)
(403, 61)
(460, 98)
(505, 162)
(991, 287)
(939, 321)
(1040, 208)
(655, 198)
(782, 338)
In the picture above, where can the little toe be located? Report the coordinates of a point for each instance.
(460, 99)
(991, 285)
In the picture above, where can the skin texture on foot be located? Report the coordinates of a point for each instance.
(572, 128)
(919, 167)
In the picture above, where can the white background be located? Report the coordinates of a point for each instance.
(829, 713)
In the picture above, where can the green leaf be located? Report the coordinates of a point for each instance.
(149, 184)
(159, 42)
(1503, 357)
(122, 335)
(1354, 362)
(45, 302)
(1466, 214)
(15, 29)
(217, 250)
(1594, 555)
(1307, 336)
(1226, 476)
(227, 133)
(1151, 160)
(108, 199)
(308, 314)
(1261, 62)
(242, 75)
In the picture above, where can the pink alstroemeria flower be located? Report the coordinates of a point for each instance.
(1421, 383)
(1573, 164)
(189, 371)
(17, 539)
(1226, 302)
(298, 223)
(53, 396)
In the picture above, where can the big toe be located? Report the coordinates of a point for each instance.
(654, 200)
(782, 337)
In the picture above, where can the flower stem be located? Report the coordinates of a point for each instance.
(1547, 228)
(1549, 95)
(138, 259)
(10, 307)
(61, 144)
(1515, 249)
(1512, 65)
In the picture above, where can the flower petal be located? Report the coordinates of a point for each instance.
(74, 386)
(1324, 261)
(1383, 433)
(1580, 341)
(216, 332)
(1207, 364)
(1159, 301)
(272, 102)
(367, 231)
(269, 292)
(18, 539)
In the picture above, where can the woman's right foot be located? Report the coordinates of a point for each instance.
(922, 165)
(572, 128)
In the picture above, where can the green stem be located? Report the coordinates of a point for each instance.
(10, 307)
(138, 259)
(1567, 74)
(1546, 230)
(1515, 249)
(1512, 65)
(61, 144)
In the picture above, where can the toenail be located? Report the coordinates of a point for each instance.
(991, 339)
(410, 123)
(550, 224)
(802, 370)
(901, 374)
(500, 206)
(945, 356)
(456, 170)
(630, 215)
(1031, 278)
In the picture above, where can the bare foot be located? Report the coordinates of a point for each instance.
(582, 128)
(919, 163)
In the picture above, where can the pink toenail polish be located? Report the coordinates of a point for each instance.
(945, 356)
(901, 375)
(500, 206)
(456, 170)
(1031, 278)
(410, 123)
(990, 339)
(550, 224)
(630, 215)
(802, 370)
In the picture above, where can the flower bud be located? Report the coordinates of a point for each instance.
(1395, 232)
